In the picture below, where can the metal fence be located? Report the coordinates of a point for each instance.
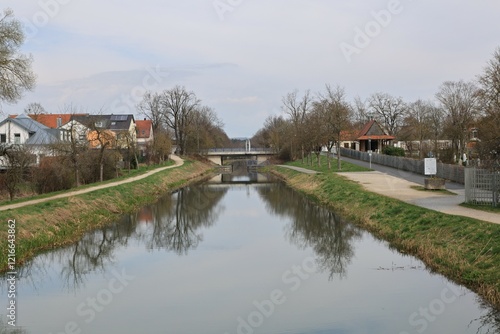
(482, 187)
(453, 173)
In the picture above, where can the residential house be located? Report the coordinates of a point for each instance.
(374, 137)
(145, 135)
(23, 130)
(120, 129)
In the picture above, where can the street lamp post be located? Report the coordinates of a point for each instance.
(370, 150)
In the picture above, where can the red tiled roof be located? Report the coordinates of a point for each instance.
(366, 128)
(363, 134)
(50, 120)
(143, 128)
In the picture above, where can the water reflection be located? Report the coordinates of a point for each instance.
(330, 236)
(172, 224)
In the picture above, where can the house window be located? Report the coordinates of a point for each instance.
(17, 138)
(81, 137)
(3, 138)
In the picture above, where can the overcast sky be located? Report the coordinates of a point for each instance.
(241, 56)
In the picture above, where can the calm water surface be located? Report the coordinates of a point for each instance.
(238, 255)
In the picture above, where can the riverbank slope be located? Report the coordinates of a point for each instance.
(463, 249)
(58, 222)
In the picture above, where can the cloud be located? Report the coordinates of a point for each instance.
(93, 53)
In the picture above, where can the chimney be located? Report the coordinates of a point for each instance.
(59, 122)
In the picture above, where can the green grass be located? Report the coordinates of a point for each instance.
(323, 168)
(464, 249)
(126, 174)
(487, 208)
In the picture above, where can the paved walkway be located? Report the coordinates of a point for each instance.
(394, 183)
(177, 162)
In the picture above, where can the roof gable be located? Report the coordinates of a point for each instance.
(373, 130)
(144, 128)
(39, 133)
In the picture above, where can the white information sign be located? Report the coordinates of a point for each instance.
(430, 166)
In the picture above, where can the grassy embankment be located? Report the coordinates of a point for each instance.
(463, 249)
(59, 222)
(28, 194)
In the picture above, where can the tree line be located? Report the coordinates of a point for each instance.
(461, 112)
(194, 126)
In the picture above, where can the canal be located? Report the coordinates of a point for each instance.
(238, 254)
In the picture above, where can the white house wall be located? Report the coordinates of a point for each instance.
(10, 129)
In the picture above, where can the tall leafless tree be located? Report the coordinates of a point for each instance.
(297, 109)
(389, 109)
(461, 102)
(489, 125)
(178, 107)
(336, 114)
(16, 74)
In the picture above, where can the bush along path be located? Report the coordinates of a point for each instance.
(57, 221)
(177, 162)
(463, 249)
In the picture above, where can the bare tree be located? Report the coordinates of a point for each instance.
(207, 130)
(34, 109)
(151, 108)
(461, 102)
(389, 109)
(161, 147)
(297, 109)
(17, 160)
(336, 115)
(360, 114)
(489, 125)
(416, 124)
(101, 139)
(178, 106)
(74, 145)
(316, 132)
(16, 74)
(436, 119)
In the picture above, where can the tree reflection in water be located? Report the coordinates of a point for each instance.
(172, 224)
(330, 236)
(177, 219)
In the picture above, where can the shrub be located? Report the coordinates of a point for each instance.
(396, 151)
(52, 175)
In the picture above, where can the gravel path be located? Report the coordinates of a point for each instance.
(177, 160)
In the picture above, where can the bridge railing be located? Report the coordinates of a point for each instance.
(239, 150)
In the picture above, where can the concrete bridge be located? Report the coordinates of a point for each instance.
(221, 155)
